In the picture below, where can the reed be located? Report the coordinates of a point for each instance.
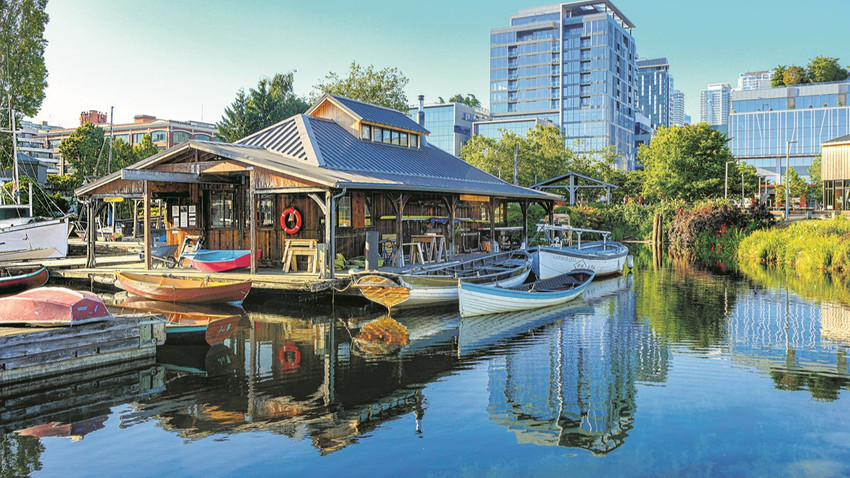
(807, 246)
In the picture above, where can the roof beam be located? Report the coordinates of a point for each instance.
(168, 176)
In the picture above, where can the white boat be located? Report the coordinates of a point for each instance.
(479, 299)
(562, 255)
(24, 237)
(438, 284)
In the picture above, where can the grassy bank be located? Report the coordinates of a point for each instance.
(806, 246)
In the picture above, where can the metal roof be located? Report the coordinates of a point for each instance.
(373, 113)
(840, 140)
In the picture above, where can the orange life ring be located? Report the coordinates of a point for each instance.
(288, 215)
(293, 361)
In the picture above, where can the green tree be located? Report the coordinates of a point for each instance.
(469, 100)
(383, 87)
(83, 149)
(824, 68)
(795, 75)
(272, 101)
(144, 149)
(751, 181)
(778, 78)
(23, 74)
(685, 163)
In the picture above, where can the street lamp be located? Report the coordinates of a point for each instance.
(726, 184)
(787, 155)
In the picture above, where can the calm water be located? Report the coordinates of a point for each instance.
(674, 371)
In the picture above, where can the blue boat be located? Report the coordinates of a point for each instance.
(477, 299)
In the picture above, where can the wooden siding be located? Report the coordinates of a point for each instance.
(265, 179)
(836, 162)
(339, 116)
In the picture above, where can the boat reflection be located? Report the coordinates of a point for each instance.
(199, 359)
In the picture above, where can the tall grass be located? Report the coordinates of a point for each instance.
(806, 246)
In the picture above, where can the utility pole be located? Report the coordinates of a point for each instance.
(111, 136)
(787, 170)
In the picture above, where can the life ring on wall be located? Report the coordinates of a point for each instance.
(290, 357)
(289, 216)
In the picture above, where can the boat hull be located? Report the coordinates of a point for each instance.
(35, 240)
(52, 306)
(182, 290)
(221, 261)
(19, 280)
(427, 296)
(478, 299)
(603, 259)
(199, 329)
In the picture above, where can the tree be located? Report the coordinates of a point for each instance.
(823, 68)
(83, 149)
(23, 74)
(470, 100)
(778, 78)
(751, 180)
(384, 87)
(685, 163)
(272, 101)
(143, 149)
(794, 75)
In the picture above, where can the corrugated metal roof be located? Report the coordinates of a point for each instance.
(282, 137)
(840, 140)
(380, 115)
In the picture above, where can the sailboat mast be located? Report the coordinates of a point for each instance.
(14, 154)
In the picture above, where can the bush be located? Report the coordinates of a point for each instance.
(808, 245)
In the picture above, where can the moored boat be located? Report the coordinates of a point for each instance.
(479, 299)
(220, 261)
(187, 324)
(604, 257)
(15, 279)
(170, 289)
(52, 306)
(24, 238)
(438, 284)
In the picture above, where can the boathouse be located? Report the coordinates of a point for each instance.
(328, 176)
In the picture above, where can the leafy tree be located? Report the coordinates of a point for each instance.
(83, 149)
(751, 180)
(685, 163)
(143, 149)
(824, 68)
(272, 101)
(384, 87)
(23, 74)
(795, 75)
(470, 100)
(778, 78)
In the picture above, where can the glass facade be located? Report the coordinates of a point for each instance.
(450, 124)
(714, 104)
(654, 89)
(495, 129)
(573, 65)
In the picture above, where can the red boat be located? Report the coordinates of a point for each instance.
(220, 261)
(15, 279)
(52, 306)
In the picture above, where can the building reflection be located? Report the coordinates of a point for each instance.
(577, 388)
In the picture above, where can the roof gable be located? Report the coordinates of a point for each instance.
(370, 113)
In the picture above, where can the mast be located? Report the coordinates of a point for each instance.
(15, 178)
(111, 139)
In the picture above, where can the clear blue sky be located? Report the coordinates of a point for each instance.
(182, 59)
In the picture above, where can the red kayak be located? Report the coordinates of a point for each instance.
(52, 306)
(220, 261)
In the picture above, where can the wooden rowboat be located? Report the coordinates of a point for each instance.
(15, 279)
(52, 306)
(605, 257)
(478, 299)
(220, 261)
(170, 289)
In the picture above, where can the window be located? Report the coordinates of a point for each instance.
(137, 138)
(159, 136)
(387, 138)
(367, 211)
(378, 132)
(404, 139)
(396, 138)
(343, 211)
(202, 137)
(266, 211)
(180, 136)
(221, 209)
(366, 132)
(414, 141)
(122, 137)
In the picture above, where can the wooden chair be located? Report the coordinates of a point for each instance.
(300, 247)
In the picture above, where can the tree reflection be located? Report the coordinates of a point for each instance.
(19, 455)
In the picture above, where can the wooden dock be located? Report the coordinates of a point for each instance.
(28, 354)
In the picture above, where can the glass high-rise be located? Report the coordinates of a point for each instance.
(654, 90)
(714, 104)
(450, 124)
(677, 109)
(574, 65)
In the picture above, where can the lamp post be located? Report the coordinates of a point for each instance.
(726, 183)
(787, 156)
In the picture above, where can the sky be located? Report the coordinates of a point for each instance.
(186, 59)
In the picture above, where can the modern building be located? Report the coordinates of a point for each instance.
(688, 120)
(496, 128)
(835, 173)
(677, 109)
(714, 104)
(31, 142)
(654, 90)
(754, 80)
(450, 124)
(643, 130)
(572, 64)
(766, 125)
(164, 133)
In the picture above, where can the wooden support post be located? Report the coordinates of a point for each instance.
(451, 204)
(253, 224)
(491, 212)
(147, 207)
(550, 208)
(91, 234)
(399, 220)
(135, 218)
(523, 205)
(328, 265)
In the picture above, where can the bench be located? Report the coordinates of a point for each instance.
(300, 247)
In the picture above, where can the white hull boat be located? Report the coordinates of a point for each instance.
(32, 238)
(603, 257)
(478, 299)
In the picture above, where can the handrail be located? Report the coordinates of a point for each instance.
(570, 229)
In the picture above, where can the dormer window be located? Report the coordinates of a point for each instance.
(395, 137)
(366, 132)
(414, 141)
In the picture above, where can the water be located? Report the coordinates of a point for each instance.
(672, 372)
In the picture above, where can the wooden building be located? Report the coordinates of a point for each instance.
(345, 166)
(835, 173)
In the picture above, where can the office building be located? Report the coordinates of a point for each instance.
(497, 128)
(714, 104)
(767, 123)
(32, 143)
(164, 133)
(754, 80)
(677, 109)
(643, 130)
(572, 64)
(450, 124)
(654, 90)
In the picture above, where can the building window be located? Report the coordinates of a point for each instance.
(404, 139)
(159, 136)
(396, 138)
(387, 136)
(180, 136)
(378, 132)
(414, 141)
(137, 138)
(221, 210)
(366, 132)
(367, 211)
(343, 211)
(266, 210)
(202, 137)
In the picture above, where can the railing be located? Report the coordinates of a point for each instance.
(545, 228)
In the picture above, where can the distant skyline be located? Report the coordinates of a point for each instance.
(186, 60)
